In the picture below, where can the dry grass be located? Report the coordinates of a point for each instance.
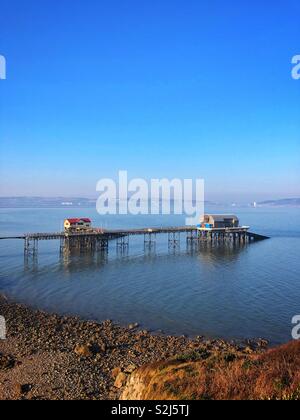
(272, 375)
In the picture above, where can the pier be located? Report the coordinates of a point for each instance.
(98, 239)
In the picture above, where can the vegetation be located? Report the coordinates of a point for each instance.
(273, 375)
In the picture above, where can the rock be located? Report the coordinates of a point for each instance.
(133, 326)
(103, 347)
(115, 372)
(98, 348)
(22, 389)
(120, 380)
(6, 362)
(135, 387)
(83, 351)
(131, 368)
(262, 343)
(139, 348)
(18, 389)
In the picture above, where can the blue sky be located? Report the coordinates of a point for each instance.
(160, 88)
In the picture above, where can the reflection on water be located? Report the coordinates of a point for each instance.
(210, 252)
(76, 259)
(72, 259)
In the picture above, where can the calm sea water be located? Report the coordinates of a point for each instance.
(251, 291)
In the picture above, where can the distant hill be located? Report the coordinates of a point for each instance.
(290, 202)
(45, 202)
(83, 202)
(53, 202)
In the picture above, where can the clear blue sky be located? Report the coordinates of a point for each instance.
(161, 88)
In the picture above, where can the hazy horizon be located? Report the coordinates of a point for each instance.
(218, 199)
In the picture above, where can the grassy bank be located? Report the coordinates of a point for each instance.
(214, 376)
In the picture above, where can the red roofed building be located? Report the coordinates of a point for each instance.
(77, 224)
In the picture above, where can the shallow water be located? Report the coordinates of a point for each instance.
(230, 292)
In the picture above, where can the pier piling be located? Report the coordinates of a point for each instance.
(97, 240)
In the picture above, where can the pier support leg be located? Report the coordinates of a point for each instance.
(101, 244)
(123, 242)
(193, 240)
(174, 240)
(30, 253)
(31, 246)
(62, 245)
(193, 236)
(123, 246)
(149, 240)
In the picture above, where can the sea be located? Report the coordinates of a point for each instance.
(216, 291)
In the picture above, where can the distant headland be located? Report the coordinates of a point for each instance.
(85, 202)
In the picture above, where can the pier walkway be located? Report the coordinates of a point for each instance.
(98, 239)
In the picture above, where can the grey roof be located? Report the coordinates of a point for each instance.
(221, 217)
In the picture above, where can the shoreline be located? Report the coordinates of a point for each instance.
(47, 356)
(254, 342)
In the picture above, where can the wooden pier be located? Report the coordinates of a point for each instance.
(98, 239)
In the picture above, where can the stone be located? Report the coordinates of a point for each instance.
(131, 368)
(115, 372)
(133, 326)
(22, 389)
(98, 348)
(83, 351)
(139, 348)
(18, 389)
(120, 380)
(103, 347)
(262, 343)
(6, 362)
